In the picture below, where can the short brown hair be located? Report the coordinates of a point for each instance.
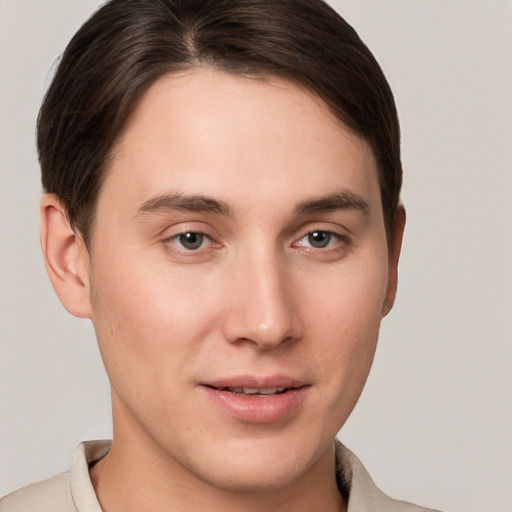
(128, 44)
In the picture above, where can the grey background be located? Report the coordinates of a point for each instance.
(434, 423)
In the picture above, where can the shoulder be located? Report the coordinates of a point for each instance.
(52, 495)
(363, 493)
(68, 492)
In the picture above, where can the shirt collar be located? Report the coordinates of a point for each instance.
(354, 482)
(82, 490)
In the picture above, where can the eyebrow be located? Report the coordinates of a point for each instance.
(172, 201)
(176, 201)
(341, 200)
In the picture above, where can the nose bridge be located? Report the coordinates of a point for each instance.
(262, 309)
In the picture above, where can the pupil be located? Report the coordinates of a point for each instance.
(319, 239)
(191, 240)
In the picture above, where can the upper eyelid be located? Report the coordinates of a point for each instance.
(180, 228)
(210, 243)
(184, 232)
(171, 244)
(329, 231)
(339, 231)
(339, 236)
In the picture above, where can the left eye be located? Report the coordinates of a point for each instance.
(190, 240)
(319, 239)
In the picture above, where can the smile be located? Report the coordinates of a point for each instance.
(258, 401)
(255, 391)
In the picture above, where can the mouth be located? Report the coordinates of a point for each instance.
(250, 391)
(254, 400)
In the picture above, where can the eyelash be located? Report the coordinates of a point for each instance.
(332, 239)
(175, 239)
(335, 241)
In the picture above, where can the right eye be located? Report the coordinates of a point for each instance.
(190, 240)
(319, 239)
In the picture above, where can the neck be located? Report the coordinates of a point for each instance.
(121, 490)
(138, 475)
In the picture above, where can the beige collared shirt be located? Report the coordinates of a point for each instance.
(72, 491)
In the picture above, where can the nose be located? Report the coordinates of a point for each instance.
(262, 307)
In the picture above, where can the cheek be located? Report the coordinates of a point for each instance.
(349, 299)
(147, 322)
(345, 319)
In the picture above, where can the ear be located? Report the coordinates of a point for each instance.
(395, 247)
(65, 257)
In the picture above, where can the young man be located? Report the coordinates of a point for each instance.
(222, 187)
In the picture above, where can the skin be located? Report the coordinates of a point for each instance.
(259, 295)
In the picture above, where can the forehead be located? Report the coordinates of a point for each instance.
(238, 139)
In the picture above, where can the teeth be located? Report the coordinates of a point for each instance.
(268, 391)
(251, 391)
(255, 391)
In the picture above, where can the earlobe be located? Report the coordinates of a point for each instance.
(65, 257)
(395, 247)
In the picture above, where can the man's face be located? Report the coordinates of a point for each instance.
(239, 274)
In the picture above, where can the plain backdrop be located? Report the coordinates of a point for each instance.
(434, 424)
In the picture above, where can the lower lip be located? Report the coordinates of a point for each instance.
(258, 408)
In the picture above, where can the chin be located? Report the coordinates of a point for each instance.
(256, 478)
(259, 466)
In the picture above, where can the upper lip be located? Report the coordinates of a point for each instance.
(247, 381)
